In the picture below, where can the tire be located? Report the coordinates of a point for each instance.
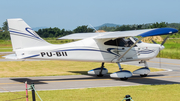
(124, 79)
(143, 75)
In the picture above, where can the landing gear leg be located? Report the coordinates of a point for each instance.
(120, 68)
(100, 73)
(146, 66)
(119, 65)
(122, 74)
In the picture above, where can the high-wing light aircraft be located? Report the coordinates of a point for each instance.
(112, 47)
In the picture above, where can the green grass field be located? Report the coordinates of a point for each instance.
(138, 93)
(55, 68)
(5, 46)
(172, 49)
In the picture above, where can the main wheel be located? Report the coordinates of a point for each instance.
(100, 75)
(123, 79)
(143, 75)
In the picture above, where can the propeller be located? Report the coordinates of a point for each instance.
(160, 49)
(153, 41)
(164, 40)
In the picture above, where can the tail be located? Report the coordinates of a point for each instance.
(22, 36)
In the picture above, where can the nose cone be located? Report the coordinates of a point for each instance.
(161, 47)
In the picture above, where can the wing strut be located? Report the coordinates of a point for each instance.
(129, 49)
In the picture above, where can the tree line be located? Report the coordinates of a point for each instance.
(46, 32)
(56, 32)
(141, 26)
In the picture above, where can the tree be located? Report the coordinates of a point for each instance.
(4, 33)
(158, 25)
(51, 35)
(83, 29)
(52, 32)
(179, 30)
(123, 28)
(5, 26)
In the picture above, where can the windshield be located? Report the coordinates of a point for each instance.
(136, 39)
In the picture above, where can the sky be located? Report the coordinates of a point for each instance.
(69, 14)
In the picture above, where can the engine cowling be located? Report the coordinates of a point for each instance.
(96, 71)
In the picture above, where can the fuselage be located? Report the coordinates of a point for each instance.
(102, 50)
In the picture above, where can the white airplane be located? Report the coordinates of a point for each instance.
(112, 47)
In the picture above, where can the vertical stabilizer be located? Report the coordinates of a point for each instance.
(22, 36)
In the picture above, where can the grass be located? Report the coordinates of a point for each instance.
(172, 44)
(54, 41)
(5, 46)
(5, 42)
(6, 49)
(172, 49)
(138, 93)
(170, 53)
(55, 68)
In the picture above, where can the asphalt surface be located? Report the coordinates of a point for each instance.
(171, 76)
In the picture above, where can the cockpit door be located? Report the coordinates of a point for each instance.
(122, 45)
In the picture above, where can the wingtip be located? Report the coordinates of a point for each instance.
(159, 31)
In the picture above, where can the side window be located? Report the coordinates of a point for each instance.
(111, 42)
(122, 42)
(129, 42)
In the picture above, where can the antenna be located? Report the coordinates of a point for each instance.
(93, 28)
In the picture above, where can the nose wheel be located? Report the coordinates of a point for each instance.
(144, 71)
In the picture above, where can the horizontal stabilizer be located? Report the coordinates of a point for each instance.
(10, 56)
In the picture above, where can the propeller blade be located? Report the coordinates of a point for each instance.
(164, 40)
(154, 41)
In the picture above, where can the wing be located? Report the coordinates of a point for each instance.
(80, 35)
(118, 34)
